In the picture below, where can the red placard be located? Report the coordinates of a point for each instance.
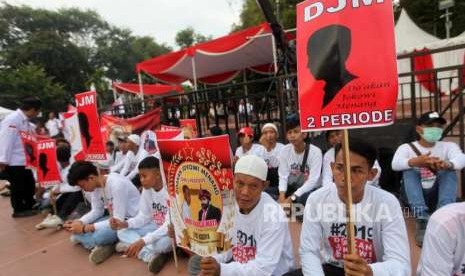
(347, 72)
(86, 104)
(47, 166)
(190, 124)
(198, 169)
(30, 149)
(169, 134)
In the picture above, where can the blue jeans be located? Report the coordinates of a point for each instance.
(444, 189)
(104, 236)
(162, 245)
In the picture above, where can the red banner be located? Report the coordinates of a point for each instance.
(346, 63)
(30, 149)
(169, 134)
(47, 166)
(199, 178)
(190, 124)
(89, 126)
(114, 126)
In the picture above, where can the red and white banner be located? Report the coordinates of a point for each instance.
(346, 63)
(114, 126)
(47, 166)
(169, 134)
(168, 128)
(30, 148)
(195, 170)
(89, 126)
(190, 124)
(72, 133)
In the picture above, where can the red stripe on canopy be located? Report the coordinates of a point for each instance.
(216, 61)
(149, 89)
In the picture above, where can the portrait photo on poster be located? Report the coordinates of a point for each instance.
(43, 164)
(84, 126)
(328, 50)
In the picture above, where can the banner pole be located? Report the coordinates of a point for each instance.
(348, 185)
(141, 91)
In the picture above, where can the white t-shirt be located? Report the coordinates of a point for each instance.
(327, 173)
(153, 207)
(120, 197)
(272, 157)
(261, 242)
(443, 251)
(290, 162)
(130, 168)
(446, 151)
(381, 236)
(256, 149)
(53, 127)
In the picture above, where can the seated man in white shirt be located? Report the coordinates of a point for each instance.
(334, 137)
(299, 165)
(269, 141)
(443, 251)
(260, 227)
(247, 146)
(112, 192)
(381, 242)
(120, 154)
(145, 235)
(134, 156)
(65, 196)
(428, 169)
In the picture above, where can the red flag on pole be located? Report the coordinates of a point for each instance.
(347, 72)
(89, 125)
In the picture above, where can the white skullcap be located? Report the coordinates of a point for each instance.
(134, 138)
(270, 125)
(252, 165)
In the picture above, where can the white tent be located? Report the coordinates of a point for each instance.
(4, 112)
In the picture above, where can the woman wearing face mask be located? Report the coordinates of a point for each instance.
(428, 170)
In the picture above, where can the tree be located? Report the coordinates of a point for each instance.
(30, 80)
(188, 37)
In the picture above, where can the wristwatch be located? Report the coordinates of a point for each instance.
(294, 197)
(450, 165)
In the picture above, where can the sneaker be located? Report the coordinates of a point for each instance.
(53, 221)
(101, 253)
(41, 226)
(121, 247)
(420, 231)
(157, 263)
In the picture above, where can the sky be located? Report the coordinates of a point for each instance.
(160, 19)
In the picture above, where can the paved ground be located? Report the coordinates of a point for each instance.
(26, 251)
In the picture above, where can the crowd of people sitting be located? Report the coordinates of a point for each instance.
(122, 205)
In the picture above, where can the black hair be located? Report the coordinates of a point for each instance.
(149, 162)
(110, 143)
(29, 103)
(63, 154)
(81, 170)
(292, 121)
(362, 148)
(62, 140)
(328, 133)
(43, 160)
(216, 131)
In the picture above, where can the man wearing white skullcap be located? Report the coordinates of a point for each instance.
(260, 237)
(134, 156)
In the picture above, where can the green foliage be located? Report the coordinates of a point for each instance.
(188, 37)
(73, 48)
(30, 80)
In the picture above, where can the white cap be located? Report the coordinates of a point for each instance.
(134, 138)
(252, 165)
(270, 125)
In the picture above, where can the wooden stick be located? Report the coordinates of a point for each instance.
(173, 243)
(348, 184)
